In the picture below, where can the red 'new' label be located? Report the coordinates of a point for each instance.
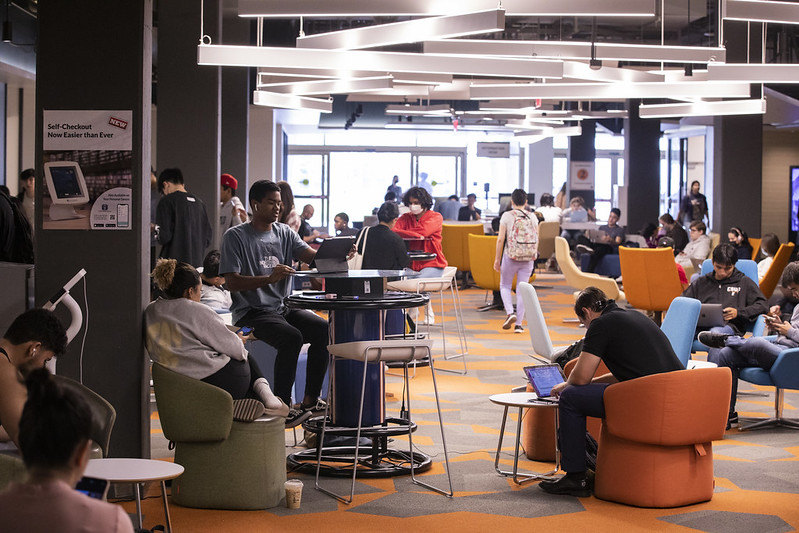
(118, 122)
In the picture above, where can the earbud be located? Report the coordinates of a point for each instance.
(255, 208)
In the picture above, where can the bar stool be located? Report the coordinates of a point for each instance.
(440, 286)
(401, 351)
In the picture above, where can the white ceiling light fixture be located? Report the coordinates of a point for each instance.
(330, 86)
(760, 11)
(573, 70)
(410, 31)
(410, 8)
(401, 77)
(579, 50)
(608, 91)
(754, 73)
(437, 110)
(290, 101)
(276, 57)
(704, 109)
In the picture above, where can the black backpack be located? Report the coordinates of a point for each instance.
(21, 249)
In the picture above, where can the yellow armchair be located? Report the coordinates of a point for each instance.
(482, 249)
(455, 243)
(580, 280)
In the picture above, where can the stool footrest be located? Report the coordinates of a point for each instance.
(390, 428)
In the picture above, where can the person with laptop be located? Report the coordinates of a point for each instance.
(606, 241)
(256, 263)
(631, 346)
(737, 352)
(697, 249)
(740, 297)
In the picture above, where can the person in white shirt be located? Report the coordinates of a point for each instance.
(232, 212)
(549, 210)
(214, 295)
(697, 250)
(769, 245)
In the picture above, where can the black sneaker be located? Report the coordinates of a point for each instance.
(317, 409)
(568, 485)
(583, 249)
(732, 420)
(297, 417)
(518, 329)
(712, 340)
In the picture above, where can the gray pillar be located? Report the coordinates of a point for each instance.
(96, 54)
(188, 100)
(582, 149)
(642, 163)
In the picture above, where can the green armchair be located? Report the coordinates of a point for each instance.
(228, 464)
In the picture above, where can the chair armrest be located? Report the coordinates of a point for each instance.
(191, 410)
(785, 372)
(759, 329)
(671, 409)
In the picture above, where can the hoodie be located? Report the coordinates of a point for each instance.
(736, 291)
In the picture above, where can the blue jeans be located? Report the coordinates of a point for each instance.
(431, 272)
(577, 402)
(742, 353)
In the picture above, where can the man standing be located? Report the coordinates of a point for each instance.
(35, 337)
(394, 187)
(631, 346)
(256, 263)
(232, 212)
(469, 211)
(183, 228)
(740, 297)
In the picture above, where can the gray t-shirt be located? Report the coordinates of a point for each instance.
(252, 253)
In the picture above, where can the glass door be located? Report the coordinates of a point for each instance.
(442, 173)
(308, 176)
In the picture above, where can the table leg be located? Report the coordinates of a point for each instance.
(166, 507)
(137, 491)
(523, 477)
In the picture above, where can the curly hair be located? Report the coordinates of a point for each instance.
(174, 278)
(418, 193)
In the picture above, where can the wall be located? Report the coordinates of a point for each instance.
(780, 152)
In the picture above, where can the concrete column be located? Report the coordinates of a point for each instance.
(642, 165)
(582, 149)
(96, 54)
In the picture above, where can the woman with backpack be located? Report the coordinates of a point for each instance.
(518, 237)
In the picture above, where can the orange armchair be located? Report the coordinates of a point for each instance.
(774, 272)
(650, 278)
(655, 448)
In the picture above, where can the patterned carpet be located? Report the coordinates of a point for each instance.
(757, 472)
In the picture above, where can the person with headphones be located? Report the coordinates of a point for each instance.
(631, 346)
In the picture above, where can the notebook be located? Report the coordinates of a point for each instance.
(332, 254)
(543, 378)
(710, 315)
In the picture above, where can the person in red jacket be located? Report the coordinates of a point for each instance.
(425, 225)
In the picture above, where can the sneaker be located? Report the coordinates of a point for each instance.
(247, 410)
(732, 420)
(583, 249)
(712, 340)
(518, 329)
(567, 485)
(317, 409)
(297, 417)
(509, 321)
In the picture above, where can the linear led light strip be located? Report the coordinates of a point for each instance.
(399, 78)
(408, 31)
(760, 11)
(702, 109)
(578, 50)
(424, 110)
(275, 57)
(320, 87)
(754, 73)
(373, 8)
(605, 91)
(290, 101)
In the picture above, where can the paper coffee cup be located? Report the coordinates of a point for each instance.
(293, 493)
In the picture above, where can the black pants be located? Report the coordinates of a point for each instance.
(237, 378)
(600, 250)
(287, 333)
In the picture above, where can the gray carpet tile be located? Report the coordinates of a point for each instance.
(727, 522)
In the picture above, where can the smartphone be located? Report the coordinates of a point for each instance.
(123, 215)
(93, 487)
(244, 330)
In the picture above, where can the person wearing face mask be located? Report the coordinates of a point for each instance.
(424, 224)
(740, 241)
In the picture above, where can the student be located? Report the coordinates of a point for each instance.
(214, 295)
(55, 441)
(673, 230)
(698, 249)
(231, 210)
(740, 241)
(341, 224)
(383, 249)
(516, 252)
(183, 228)
(35, 337)
(769, 245)
(469, 211)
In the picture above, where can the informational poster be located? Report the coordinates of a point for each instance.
(581, 176)
(88, 170)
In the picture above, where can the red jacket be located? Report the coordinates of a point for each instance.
(428, 226)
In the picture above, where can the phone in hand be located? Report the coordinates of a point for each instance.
(93, 487)
(244, 330)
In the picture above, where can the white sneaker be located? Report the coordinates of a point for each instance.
(509, 322)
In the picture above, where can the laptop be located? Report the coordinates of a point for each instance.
(596, 235)
(543, 378)
(332, 254)
(710, 315)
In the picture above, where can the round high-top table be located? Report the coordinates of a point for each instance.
(358, 319)
(522, 400)
(136, 471)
